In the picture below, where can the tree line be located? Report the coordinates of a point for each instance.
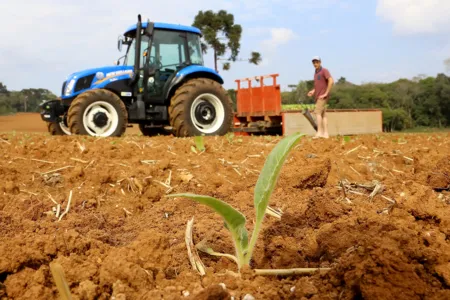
(419, 102)
(26, 100)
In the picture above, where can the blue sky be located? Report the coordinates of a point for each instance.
(364, 41)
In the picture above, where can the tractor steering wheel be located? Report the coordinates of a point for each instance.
(155, 63)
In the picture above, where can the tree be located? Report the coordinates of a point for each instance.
(3, 89)
(232, 94)
(447, 64)
(341, 80)
(217, 27)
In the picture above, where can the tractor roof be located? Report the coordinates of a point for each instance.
(165, 26)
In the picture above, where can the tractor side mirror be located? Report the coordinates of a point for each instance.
(119, 43)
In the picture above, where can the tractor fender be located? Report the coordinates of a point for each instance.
(191, 72)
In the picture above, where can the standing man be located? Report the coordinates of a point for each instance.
(322, 86)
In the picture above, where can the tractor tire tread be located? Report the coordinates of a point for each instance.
(76, 109)
(54, 128)
(182, 95)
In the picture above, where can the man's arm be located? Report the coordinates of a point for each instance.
(311, 92)
(330, 84)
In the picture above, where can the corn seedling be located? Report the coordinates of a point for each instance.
(199, 143)
(235, 220)
(347, 139)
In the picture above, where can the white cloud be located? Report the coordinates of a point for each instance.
(416, 16)
(278, 37)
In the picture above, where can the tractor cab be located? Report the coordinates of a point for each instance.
(172, 48)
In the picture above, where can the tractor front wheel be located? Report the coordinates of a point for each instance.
(98, 113)
(200, 106)
(59, 128)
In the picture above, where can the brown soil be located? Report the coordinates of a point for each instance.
(32, 122)
(122, 238)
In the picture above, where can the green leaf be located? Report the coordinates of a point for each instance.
(234, 220)
(199, 143)
(269, 174)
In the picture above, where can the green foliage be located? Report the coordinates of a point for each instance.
(200, 143)
(420, 102)
(310, 107)
(234, 220)
(218, 27)
(26, 100)
(232, 94)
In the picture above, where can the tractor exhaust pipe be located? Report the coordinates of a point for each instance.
(137, 108)
(137, 55)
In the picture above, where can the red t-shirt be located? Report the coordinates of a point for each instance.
(321, 77)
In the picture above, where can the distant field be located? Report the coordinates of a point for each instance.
(31, 122)
(297, 106)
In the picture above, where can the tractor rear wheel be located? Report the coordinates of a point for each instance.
(58, 128)
(98, 112)
(200, 106)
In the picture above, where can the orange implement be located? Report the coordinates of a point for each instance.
(259, 100)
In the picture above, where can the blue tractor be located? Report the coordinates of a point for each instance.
(161, 85)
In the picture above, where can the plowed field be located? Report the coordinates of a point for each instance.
(122, 238)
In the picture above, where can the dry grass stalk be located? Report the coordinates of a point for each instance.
(374, 188)
(169, 179)
(90, 163)
(56, 170)
(5, 141)
(82, 147)
(194, 258)
(149, 162)
(353, 150)
(354, 170)
(79, 160)
(274, 213)
(60, 281)
(43, 161)
(27, 192)
(288, 272)
(67, 207)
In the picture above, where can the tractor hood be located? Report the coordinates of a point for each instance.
(80, 81)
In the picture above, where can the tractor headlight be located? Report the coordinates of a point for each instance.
(99, 75)
(69, 87)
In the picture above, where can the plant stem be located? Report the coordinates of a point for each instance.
(239, 251)
(251, 246)
(288, 272)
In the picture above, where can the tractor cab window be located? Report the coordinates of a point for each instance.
(168, 55)
(169, 49)
(195, 49)
(129, 60)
